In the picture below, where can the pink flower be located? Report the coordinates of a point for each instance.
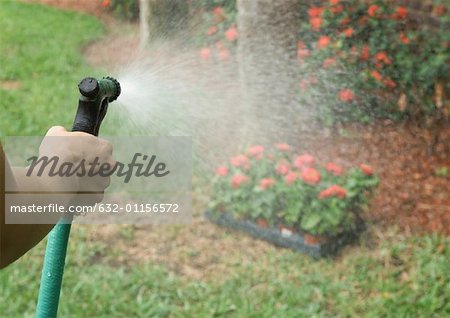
(222, 171)
(282, 167)
(283, 147)
(205, 53)
(366, 169)
(237, 180)
(334, 168)
(231, 34)
(240, 161)
(256, 151)
(373, 9)
(333, 191)
(266, 183)
(211, 30)
(303, 161)
(315, 23)
(323, 42)
(346, 95)
(310, 176)
(290, 177)
(218, 11)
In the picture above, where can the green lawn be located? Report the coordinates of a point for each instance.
(399, 277)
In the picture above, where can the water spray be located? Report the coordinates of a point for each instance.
(92, 107)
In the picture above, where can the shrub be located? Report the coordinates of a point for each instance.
(292, 190)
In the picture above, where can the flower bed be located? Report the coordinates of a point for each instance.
(290, 199)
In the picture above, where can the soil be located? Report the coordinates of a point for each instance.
(412, 196)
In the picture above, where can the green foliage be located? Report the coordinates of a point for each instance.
(125, 9)
(292, 191)
(41, 65)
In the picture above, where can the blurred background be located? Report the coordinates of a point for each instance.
(348, 82)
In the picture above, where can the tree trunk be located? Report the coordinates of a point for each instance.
(268, 57)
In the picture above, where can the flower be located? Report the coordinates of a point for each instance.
(218, 11)
(382, 57)
(240, 161)
(283, 147)
(205, 53)
(328, 62)
(346, 95)
(315, 23)
(290, 177)
(400, 13)
(222, 171)
(345, 21)
(334, 168)
(366, 169)
(282, 167)
(237, 180)
(365, 52)
(389, 83)
(224, 54)
(348, 32)
(256, 151)
(303, 84)
(333, 191)
(333, 2)
(303, 160)
(106, 3)
(310, 176)
(302, 51)
(266, 183)
(376, 75)
(316, 12)
(323, 41)
(211, 30)
(231, 34)
(372, 11)
(337, 9)
(404, 38)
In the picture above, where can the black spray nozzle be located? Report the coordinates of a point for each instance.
(93, 102)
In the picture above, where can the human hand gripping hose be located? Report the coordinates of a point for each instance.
(92, 107)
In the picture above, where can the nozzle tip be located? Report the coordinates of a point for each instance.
(89, 87)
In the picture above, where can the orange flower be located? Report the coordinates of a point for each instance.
(372, 11)
(400, 13)
(346, 95)
(240, 161)
(222, 171)
(333, 2)
(205, 53)
(316, 12)
(333, 191)
(218, 11)
(106, 3)
(348, 32)
(212, 30)
(366, 169)
(376, 75)
(404, 38)
(266, 183)
(303, 161)
(231, 34)
(256, 151)
(328, 62)
(382, 57)
(290, 177)
(315, 23)
(283, 147)
(237, 180)
(337, 9)
(310, 176)
(323, 41)
(365, 52)
(334, 168)
(282, 167)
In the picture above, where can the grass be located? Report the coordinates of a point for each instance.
(398, 277)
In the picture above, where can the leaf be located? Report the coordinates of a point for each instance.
(310, 222)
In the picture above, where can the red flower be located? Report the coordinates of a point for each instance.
(333, 2)
(372, 11)
(106, 3)
(231, 34)
(316, 12)
(224, 54)
(205, 53)
(365, 52)
(218, 11)
(211, 30)
(237, 180)
(283, 147)
(310, 176)
(303, 161)
(334, 168)
(389, 83)
(282, 167)
(315, 23)
(333, 191)
(400, 13)
(348, 32)
(337, 9)
(376, 75)
(266, 183)
(290, 177)
(346, 95)
(366, 169)
(240, 161)
(345, 21)
(323, 41)
(256, 151)
(328, 62)
(403, 38)
(222, 171)
(382, 57)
